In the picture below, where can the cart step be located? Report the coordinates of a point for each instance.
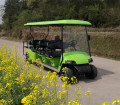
(48, 65)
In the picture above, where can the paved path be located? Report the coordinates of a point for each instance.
(105, 87)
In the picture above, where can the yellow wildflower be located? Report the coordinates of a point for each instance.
(8, 85)
(41, 68)
(65, 79)
(37, 76)
(1, 90)
(47, 103)
(79, 93)
(63, 103)
(115, 101)
(24, 88)
(17, 80)
(45, 93)
(14, 44)
(3, 102)
(63, 85)
(105, 103)
(28, 100)
(73, 103)
(35, 92)
(10, 101)
(36, 87)
(33, 84)
(64, 69)
(22, 81)
(78, 88)
(38, 61)
(68, 86)
(88, 93)
(53, 77)
(62, 94)
(24, 100)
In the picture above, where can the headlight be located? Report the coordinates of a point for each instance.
(90, 60)
(70, 62)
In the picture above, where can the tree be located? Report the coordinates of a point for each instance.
(11, 12)
(99, 12)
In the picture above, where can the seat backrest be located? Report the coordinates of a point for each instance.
(43, 43)
(54, 44)
(33, 42)
(57, 38)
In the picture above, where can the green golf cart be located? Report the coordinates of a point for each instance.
(69, 47)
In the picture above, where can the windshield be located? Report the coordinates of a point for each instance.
(75, 39)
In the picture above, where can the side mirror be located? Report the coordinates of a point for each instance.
(88, 37)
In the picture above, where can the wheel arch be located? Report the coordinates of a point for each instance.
(68, 66)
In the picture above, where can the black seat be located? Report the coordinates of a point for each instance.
(33, 45)
(53, 54)
(33, 42)
(54, 44)
(41, 47)
(42, 44)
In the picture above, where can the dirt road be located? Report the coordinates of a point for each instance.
(104, 88)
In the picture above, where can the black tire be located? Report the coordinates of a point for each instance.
(93, 73)
(27, 57)
(68, 73)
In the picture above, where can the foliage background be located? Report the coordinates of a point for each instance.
(101, 13)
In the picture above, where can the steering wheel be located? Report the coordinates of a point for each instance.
(72, 44)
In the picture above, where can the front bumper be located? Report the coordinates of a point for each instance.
(82, 69)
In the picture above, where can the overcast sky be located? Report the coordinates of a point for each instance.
(2, 2)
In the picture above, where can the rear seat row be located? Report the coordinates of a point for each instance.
(46, 47)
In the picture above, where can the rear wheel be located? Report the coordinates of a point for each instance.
(93, 73)
(27, 57)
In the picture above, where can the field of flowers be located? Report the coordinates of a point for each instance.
(22, 84)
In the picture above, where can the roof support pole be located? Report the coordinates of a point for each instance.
(88, 40)
(31, 32)
(62, 43)
(47, 32)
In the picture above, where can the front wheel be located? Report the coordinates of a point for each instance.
(93, 73)
(68, 73)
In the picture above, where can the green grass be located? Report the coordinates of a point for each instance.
(106, 45)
